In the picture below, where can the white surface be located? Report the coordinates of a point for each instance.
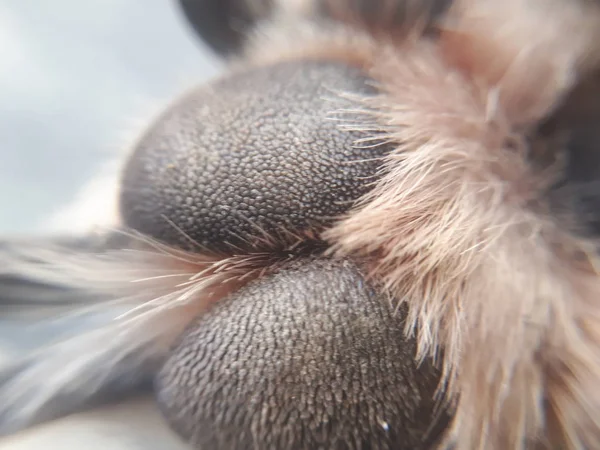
(132, 425)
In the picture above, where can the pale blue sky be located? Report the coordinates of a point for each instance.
(74, 74)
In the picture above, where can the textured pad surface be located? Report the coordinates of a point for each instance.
(310, 358)
(255, 153)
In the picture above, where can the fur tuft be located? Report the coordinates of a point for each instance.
(140, 297)
(457, 228)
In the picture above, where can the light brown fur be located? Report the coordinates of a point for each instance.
(458, 230)
(457, 227)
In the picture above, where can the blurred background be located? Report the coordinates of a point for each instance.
(77, 81)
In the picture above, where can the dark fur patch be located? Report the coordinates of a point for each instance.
(574, 136)
(385, 17)
(223, 24)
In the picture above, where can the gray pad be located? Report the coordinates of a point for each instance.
(309, 358)
(257, 154)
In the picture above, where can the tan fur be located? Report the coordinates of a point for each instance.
(457, 227)
(454, 230)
